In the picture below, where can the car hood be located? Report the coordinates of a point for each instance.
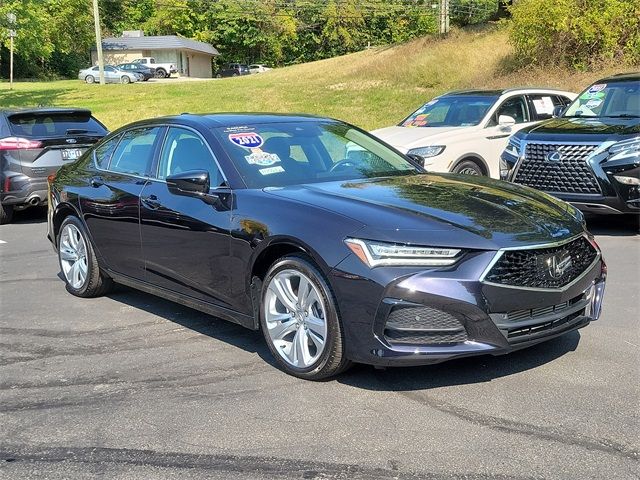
(443, 210)
(405, 138)
(596, 129)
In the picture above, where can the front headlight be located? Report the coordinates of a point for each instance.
(426, 152)
(513, 147)
(375, 254)
(625, 148)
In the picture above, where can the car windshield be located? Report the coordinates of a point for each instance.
(451, 111)
(619, 99)
(280, 154)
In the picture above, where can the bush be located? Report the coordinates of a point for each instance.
(579, 33)
(469, 12)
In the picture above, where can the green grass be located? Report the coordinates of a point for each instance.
(371, 89)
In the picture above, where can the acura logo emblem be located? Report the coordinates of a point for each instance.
(557, 267)
(554, 156)
(71, 140)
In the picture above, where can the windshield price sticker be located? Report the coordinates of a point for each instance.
(246, 139)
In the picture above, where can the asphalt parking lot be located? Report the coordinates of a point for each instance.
(132, 386)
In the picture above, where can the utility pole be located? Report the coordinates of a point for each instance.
(444, 17)
(11, 18)
(96, 20)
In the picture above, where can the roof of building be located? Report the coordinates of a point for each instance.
(161, 42)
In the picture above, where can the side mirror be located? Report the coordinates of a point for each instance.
(506, 121)
(192, 183)
(416, 160)
(557, 111)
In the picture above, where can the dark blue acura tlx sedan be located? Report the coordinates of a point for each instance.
(339, 248)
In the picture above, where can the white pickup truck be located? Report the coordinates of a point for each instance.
(162, 70)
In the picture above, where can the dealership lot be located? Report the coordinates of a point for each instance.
(132, 386)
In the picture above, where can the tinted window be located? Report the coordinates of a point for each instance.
(279, 154)
(185, 150)
(134, 152)
(53, 124)
(543, 105)
(103, 152)
(515, 108)
(452, 111)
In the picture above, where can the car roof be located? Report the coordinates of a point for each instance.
(621, 77)
(504, 91)
(43, 110)
(231, 119)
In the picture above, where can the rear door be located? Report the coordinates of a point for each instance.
(57, 137)
(111, 209)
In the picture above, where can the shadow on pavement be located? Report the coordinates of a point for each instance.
(30, 215)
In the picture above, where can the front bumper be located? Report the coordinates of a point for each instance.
(493, 318)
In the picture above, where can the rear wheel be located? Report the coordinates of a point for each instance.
(468, 167)
(125, 79)
(6, 214)
(90, 79)
(78, 261)
(300, 321)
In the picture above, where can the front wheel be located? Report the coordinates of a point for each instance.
(78, 261)
(124, 79)
(90, 79)
(300, 321)
(468, 167)
(160, 73)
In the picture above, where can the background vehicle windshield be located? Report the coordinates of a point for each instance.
(618, 99)
(450, 111)
(280, 154)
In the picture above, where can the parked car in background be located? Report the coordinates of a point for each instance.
(162, 70)
(111, 75)
(466, 131)
(262, 220)
(35, 143)
(233, 70)
(258, 68)
(144, 71)
(590, 154)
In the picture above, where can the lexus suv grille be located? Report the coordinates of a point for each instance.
(552, 267)
(558, 168)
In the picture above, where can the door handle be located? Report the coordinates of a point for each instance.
(151, 202)
(96, 182)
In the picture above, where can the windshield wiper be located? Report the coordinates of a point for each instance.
(622, 115)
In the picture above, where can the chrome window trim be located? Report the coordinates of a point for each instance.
(184, 127)
(501, 252)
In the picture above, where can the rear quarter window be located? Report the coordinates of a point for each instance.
(53, 124)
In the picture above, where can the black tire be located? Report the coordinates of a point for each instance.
(468, 167)
(90, 79)
(332, 361)
(234, 75)
(218, 75)
(97, 283)
(160, 73)
(124, 79)
(6, 214)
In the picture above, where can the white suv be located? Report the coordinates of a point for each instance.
(466, 131)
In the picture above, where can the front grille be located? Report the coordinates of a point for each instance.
(521, 333)
(533, 313)
(423, 325)
(570, 173)
(552, 267)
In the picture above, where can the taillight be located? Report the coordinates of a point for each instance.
(51, 178)
(18, 143)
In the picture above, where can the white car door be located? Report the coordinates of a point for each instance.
(494, 137)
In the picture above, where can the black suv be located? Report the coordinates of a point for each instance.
(34, 144)
(233, 70)
(589, 154)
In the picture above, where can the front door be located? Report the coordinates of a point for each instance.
(111, 212)
(186, 240)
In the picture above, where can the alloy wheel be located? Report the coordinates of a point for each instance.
(295, 316)
(469, 171)
(73, 256)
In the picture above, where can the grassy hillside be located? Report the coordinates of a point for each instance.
(373, 88)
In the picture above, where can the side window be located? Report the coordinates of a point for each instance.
(109, 69)
(184, 150)
(134, 152)
(543, 105)
(102, 153)
(514, 107)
